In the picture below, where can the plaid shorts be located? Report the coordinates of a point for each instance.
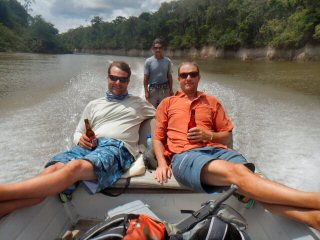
(187, 166)
(110, 160)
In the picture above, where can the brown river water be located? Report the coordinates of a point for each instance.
(275, 107)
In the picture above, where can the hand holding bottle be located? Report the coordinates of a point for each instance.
(192, 122)
(192, 134)
(85, 142)
(196, 135)
(89, 139)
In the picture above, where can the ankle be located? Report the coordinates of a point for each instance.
(314, 220)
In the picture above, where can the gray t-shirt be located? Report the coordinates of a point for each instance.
(157, 69)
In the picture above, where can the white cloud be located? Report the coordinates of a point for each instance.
(66, 14)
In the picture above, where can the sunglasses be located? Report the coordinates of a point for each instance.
(157, 48)
(191, 74)
(116, 78)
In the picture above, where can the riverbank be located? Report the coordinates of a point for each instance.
(307, 53)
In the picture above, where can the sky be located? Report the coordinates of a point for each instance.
(67, 14)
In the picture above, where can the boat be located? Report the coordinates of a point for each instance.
(53, 219)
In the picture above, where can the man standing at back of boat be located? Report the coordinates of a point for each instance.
(157, 75)
(201, 159)
(116, 120)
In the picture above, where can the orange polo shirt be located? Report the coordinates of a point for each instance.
(173, 115)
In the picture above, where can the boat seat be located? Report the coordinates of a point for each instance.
(140, 178)
(143, 182)
(147, 181)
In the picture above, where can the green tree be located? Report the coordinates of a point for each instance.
(225, 24)
(43, 35)
(8, 40)
(316, 35)
(184, 24)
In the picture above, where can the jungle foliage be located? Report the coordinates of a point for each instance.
(184, 24)
(21, 32)
(225, 24)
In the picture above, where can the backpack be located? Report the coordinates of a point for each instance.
(212, 229)
(227, 224)
(127, 227)
(213, 221)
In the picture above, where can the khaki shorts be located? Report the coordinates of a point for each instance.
(158, 93)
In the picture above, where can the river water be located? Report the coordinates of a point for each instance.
(275, 107)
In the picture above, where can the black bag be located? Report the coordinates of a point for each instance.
(150, 160)
(114, 226)
(228, 224)
(213, 221)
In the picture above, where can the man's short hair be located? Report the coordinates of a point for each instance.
(121, 65)
(158, 41)
(189, 63)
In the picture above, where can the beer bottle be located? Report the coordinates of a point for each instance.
(90, 133)
(192, 122)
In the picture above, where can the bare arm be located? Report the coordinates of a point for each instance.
(163, 172)
(197, 135)
(170, 81)
(145, 84)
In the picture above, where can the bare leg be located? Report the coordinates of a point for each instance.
(222, 173)
(307, 216)
(52, 168)
(9, 206)
(50, 183)
(279, 199)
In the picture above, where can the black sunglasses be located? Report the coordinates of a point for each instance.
(116, 78)
(191, 74)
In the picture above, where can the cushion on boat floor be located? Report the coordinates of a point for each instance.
(137, 168)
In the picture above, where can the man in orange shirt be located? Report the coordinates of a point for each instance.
(201, 159)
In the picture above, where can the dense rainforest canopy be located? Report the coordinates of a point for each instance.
(19, 31)
(184, 24)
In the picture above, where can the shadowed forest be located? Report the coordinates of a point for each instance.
(184, 24)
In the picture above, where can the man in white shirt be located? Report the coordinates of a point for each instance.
(115, 119)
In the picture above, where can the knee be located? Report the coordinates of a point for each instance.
(240, 174)
(221, 172)
(56, 166)
(77, 167)
(73, 167)
(53, 168)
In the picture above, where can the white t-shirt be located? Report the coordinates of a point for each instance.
(118, 119)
